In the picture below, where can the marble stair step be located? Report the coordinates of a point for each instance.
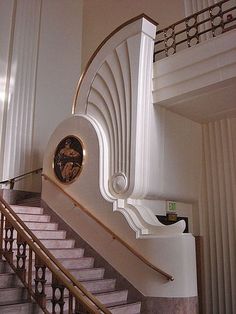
(67, 253)
(49, 234)
(113, 298)
(46, 234)
(73, 263)
(116, 298)
(34, 217)
(99, 286)
(20, 308)
(94, 286)
(4, 267)
(12, 295)
(8, 280)
(27, 209)
(77, 263)
(34, 225)
(80, 274)
(61, 253)
(34, 201)
(132, 308)
(54, 243)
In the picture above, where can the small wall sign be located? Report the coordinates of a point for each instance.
(171, 206)
(68, 159)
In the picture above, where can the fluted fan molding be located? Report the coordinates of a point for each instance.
(115, 95)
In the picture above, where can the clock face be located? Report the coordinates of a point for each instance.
(68, 159)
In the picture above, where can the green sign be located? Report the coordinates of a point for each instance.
(171, 206)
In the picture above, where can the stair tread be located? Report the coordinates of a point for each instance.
(125, 306)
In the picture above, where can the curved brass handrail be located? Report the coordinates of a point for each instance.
(114, 236)
(20, 177)
(50, 261)
(99, 48)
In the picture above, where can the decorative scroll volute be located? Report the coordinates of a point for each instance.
(115, 95)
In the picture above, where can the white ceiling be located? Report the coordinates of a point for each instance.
(214, 102)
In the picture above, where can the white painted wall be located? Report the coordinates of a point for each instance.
(6, 15)
(59, 64)
(218, 216)
(175, 159)
(38, 76)
(96, 27)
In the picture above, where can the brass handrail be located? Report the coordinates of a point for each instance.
(50, 261)
(113, 234)
(20, 177)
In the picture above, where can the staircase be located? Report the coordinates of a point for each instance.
(71, 257)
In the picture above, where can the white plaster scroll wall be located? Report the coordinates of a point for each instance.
(171, 251)
(115, 95)
(173, 254)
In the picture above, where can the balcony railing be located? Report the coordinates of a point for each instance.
(200, 26)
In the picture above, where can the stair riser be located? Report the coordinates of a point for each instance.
(24, 308)
(41, 225)
(98, 287)
(62, 253)
(81, 275)
(4, 267)
(81, 263)
(113, 297)
(27, 210)
(72, 253)
(13, 295)
(36, 218)
(129, 309)
(50, 244)
(86, 262)
(8, 280)
(43, 234)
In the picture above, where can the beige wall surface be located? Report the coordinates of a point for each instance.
(101, 17)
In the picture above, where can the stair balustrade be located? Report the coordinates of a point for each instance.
(34, 265)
